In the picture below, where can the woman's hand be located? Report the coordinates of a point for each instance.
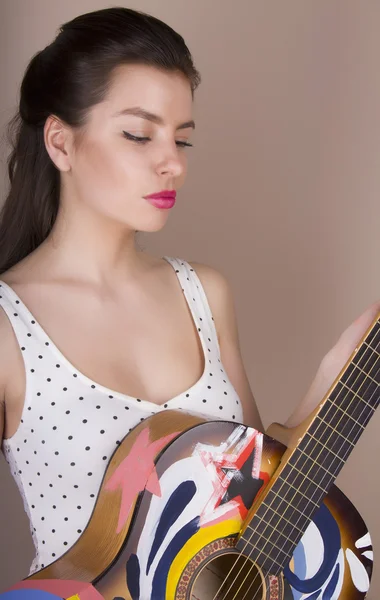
(332, 363)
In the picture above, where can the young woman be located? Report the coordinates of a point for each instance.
(96, 335)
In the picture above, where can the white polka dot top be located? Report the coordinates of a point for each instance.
(71, 425)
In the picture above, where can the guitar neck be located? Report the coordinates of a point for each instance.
(296, 494)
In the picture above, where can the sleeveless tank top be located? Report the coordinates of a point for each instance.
(70, 425)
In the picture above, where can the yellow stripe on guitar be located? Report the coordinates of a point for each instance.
(199, 540)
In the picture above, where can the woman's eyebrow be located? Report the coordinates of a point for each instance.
(137, 111)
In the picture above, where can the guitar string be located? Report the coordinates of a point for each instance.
(269, 523)
(366, 403)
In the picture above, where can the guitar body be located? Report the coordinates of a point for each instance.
(170, 510)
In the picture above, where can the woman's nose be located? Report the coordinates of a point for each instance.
(172, 163)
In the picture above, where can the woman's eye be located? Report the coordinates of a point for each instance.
(143, 140)
(134, 138)
(184, 144)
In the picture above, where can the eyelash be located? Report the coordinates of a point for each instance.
(144, 140)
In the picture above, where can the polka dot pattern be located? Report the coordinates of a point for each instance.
(72, 425)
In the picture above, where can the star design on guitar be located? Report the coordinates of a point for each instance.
(234, 470)
(242, 485)
(137, 472)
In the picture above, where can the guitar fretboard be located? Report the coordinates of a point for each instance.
(283, 516)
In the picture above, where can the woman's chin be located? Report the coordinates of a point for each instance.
(153, 224)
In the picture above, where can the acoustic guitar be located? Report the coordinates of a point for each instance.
(198, 509)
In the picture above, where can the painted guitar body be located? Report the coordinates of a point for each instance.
(170, 509)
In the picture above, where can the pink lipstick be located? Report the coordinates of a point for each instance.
(163, 199)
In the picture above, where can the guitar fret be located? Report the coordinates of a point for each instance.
(298, 498)
(356, 379)
(269, 541)
(258, 516)
(370, 347)
(257, 554)
(371, 338)
(368, 376)
(367, 360)
(362, 427)
(286, 530)
(372, 335)
(366, 352)
(305, 477)
(279, 516)
(299, 492)
(330, 412)
(334, 432)
(290, 494)
(298, 480)
(366, 357)
(322, 422)
(315, 462)
(324, 446)
(275, 501)
(335, 407)
(278, 540)
(356, 395)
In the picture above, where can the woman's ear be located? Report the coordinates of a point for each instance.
(58, 142)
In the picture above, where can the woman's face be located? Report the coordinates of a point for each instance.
(111, 172)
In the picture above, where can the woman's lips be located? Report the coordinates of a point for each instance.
(164, 199)
(162, 202)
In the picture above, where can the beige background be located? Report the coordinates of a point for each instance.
(282, 194)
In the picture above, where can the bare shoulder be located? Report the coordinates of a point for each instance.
(209, 274)
(219, 294)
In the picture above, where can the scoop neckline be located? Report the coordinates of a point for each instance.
(109, 391)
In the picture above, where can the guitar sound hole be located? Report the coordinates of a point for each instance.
(229, 575)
